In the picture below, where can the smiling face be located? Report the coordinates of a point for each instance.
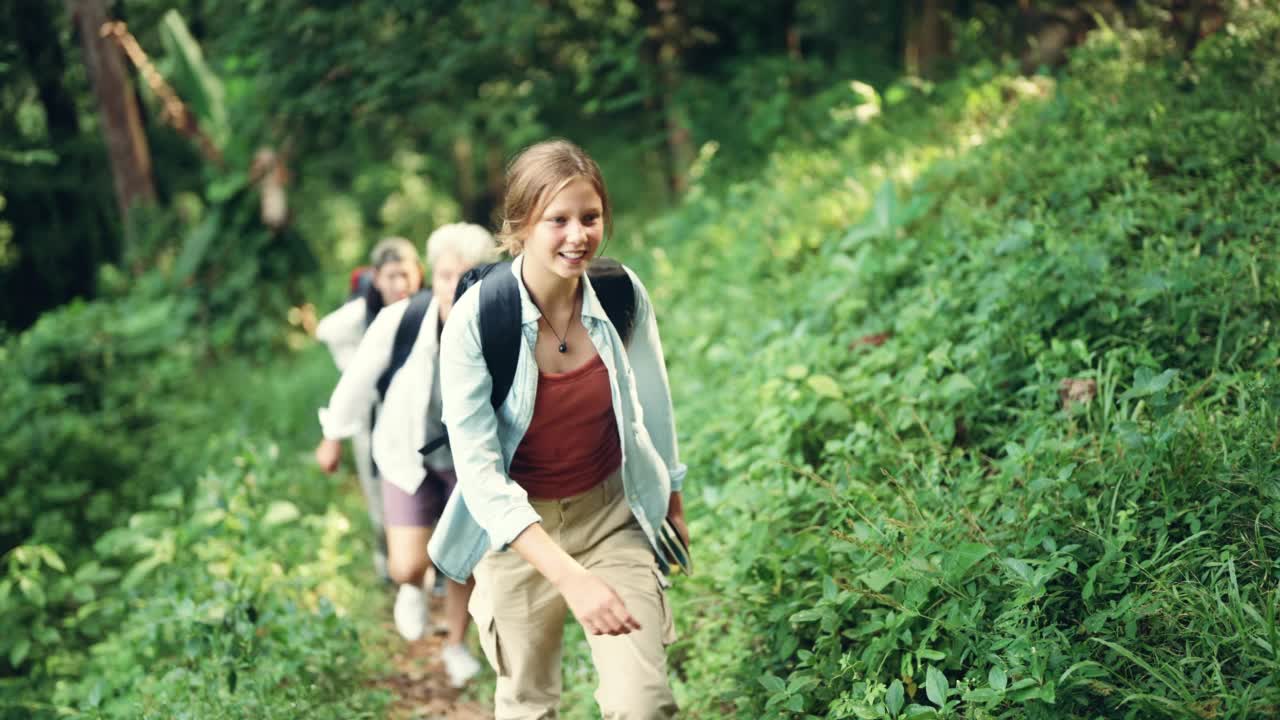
(565, 234)
(541, 175)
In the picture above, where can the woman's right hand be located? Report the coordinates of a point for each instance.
(328, 453)
(597, 607)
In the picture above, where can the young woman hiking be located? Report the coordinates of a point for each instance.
(397, 274)
(564, 485)
(410, 416)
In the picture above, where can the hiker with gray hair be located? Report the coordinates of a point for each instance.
(398, 358)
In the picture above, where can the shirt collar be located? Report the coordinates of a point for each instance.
(529, 313)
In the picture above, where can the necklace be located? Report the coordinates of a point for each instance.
(564, 346)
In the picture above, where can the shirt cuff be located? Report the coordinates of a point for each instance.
(333, 429)
(507, 529)
(677, 474)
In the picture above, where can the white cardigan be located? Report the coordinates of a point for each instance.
(341, 331)
(402, 423)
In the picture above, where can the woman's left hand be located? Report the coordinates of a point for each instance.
(675, 513)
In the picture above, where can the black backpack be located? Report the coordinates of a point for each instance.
(500, 335)
(406, 335)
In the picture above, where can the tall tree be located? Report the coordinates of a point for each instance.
(667, 37)
(117, 105)
(927, 38)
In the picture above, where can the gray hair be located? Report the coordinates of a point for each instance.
(471, 243)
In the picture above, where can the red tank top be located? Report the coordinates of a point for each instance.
(572, 442)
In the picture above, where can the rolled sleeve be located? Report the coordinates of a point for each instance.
(499, 505)
(649, 366)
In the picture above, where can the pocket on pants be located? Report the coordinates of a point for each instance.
(487, 627)
(481, 608)
(668, 619)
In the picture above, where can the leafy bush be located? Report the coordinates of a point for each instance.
(232, 593)
(162, 557)
(896, 512)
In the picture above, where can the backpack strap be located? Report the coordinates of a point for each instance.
(616, 293)
(362, 287)
(499, 331)
(406, 335)
(500, 334)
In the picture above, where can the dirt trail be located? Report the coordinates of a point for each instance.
(419, 683)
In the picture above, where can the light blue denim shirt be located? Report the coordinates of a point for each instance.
(488, 509)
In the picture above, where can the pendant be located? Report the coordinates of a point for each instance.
(564, 348)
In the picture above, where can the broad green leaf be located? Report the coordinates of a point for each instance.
(196, 245)
(19, 651)
(280, 512)
(806, 616)
(998, 679)
(935, 686)
(1147, 383)
(825, 386)
(865, 712)
(983, 695)
(171, 499)
(1021, 569)
(876, 580)
(957, 385)
(963, 557)
(802, 683)
(894, 698)
(52, 559)
(773, 683)
(829, 588)
(201, 89)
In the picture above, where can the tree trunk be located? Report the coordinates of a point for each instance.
(464, 173)
(668, 37)
(927, 40)
(117, 105)
(478, 197)
(495, 185)
(787, 21)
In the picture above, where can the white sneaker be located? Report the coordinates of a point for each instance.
(459, 665)
(411, 612)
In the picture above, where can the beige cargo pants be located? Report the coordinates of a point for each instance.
(520, 616)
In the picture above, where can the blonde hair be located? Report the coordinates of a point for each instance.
(471, 243)
(394, 249)
(534, 176)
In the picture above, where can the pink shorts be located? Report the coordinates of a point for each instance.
(424, 507)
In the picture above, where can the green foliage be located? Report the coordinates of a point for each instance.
(193, 80)
(77, 373)
(896, 514)
(163, 556)
(233, 586)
